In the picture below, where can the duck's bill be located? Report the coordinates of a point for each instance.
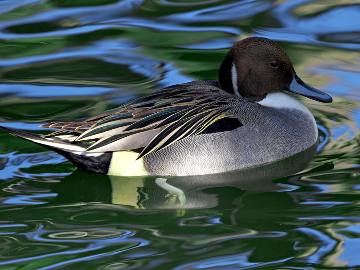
(297, 86)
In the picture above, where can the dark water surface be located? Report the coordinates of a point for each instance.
(66, 59)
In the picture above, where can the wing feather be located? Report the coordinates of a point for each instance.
(155, 121)
(181, 129)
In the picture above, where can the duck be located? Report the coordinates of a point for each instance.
(246, 118)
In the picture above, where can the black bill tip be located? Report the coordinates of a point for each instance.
(297, 86)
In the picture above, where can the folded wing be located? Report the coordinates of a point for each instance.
(153, 122)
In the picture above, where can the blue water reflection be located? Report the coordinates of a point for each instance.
(28, 90)
(225, 12)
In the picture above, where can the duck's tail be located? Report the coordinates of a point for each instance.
(54, 143)
(63, 145)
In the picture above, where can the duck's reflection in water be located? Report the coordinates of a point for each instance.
(252, 204)
(178, 192)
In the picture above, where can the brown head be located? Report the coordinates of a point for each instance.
(255, 67)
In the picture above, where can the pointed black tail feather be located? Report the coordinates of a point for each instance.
(98, 163)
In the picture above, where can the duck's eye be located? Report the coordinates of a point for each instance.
(274, 64)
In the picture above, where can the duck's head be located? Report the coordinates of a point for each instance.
(255, 67)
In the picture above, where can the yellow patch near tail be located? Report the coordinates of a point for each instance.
(124, 163)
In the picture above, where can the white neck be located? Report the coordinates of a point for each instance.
(281, 100)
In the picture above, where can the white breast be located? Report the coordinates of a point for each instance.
(281, 100)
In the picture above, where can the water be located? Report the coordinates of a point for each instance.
(62, 59)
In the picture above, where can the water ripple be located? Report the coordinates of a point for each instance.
(227, 12)
(93, 240)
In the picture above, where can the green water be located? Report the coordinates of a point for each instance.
(68, 59)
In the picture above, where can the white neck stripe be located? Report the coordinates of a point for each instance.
(234, 79)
